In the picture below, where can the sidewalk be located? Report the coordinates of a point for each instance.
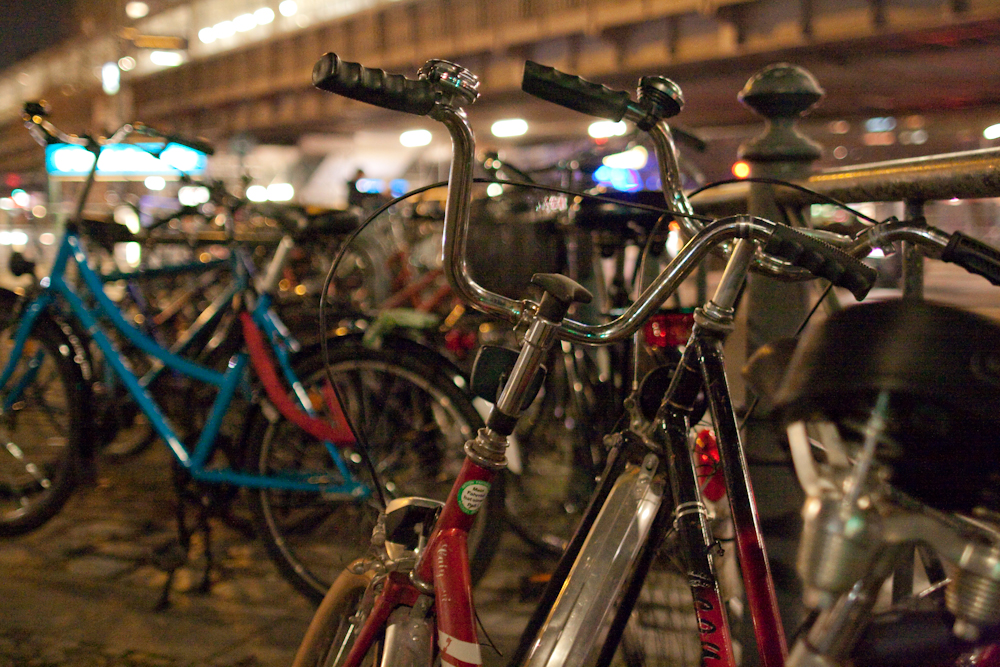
(81, 591)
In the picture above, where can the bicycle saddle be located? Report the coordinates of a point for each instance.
(941, 368)
(605, 216)
(332, 222)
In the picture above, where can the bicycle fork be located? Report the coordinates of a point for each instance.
(440, 576)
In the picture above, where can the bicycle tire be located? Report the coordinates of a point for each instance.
(557, 464)
(332, 628)
(416, 421)
(44, 431)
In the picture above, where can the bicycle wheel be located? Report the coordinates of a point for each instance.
(557, 452)
(663, 630)
(335, 624)
(42, 431)
(415, 420)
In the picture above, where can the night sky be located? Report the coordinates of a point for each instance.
(28, 26)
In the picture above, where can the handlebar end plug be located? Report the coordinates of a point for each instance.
(662, 95)
(456, 83)
(560, 293)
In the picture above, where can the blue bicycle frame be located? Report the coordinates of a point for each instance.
(193, 460)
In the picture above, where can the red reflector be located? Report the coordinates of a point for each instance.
(668, 329)
(710, 476)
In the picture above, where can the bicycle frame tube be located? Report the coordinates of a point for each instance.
(750, 543)
(445, 561)
(227, 382)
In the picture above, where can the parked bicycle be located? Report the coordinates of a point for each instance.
(280, 433)
(409, 600)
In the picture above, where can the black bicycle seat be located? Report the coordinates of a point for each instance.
(105, 232)
(613, 217)
(941, 368)
(333, 222)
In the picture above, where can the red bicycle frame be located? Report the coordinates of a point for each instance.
(445, 563)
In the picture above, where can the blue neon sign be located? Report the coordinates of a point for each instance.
(125, 161)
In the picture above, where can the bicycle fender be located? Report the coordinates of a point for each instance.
(422, 353)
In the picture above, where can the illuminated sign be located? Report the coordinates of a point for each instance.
(623, 180)
(125, 161)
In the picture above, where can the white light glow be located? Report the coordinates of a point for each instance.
(509, 127)
(133, 253)
(245, 22)
(224, 29)
(634, 158)
(603, 129)
(126, 215)
(136, 10)
(47, 238)
(206, 35)
(21, 198)
(155, 183)
(166, 58)
(38, 211)
(6, 204)
(72, 160)
(16, 237)
(257, 193)
(126, 64)
(992, 132)
(288, 8)
(494, 189)
(193, 195)
(264, 15)
(110, 78)
(280, 191)
(414, 138)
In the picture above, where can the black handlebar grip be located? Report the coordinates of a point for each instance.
(374, 86)
(574, 93)
(973, 256)
(821, 259)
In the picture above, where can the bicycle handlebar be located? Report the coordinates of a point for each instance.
(787, 252)
(821, 259)
(974, 256)
(46, 133)
(574, 93)
(374, 86)
(197, 144)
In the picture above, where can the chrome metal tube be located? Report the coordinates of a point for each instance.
(670, 176)
(456, 219)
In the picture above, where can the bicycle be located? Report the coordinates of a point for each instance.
(409, 601)
(440, 92)
(293, 452)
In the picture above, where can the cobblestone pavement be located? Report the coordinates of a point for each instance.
(81, 591)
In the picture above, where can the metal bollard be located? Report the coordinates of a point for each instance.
(781, 94)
